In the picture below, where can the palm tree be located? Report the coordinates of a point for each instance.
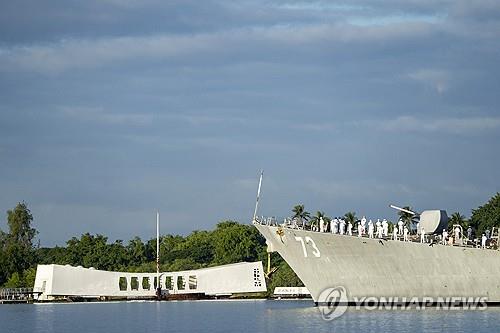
(317, 217)
(457, 218)
(407, 218)
(300, 214)
(350, 217)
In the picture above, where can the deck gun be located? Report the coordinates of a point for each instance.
(432, 221)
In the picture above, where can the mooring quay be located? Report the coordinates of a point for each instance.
(17, 295)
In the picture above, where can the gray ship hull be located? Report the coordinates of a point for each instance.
(390, 269)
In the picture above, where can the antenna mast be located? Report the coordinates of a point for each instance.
(258, 196)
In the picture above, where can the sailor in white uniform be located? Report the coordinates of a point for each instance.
(370, 229)
(483, 241)
(349, 228)
(385, 227)
(457, 234)
(422, 235)
(363, 225)
(405, 233)
(321, 225)
(342, 226)
(335, 226)
(400, 227)
(395, 232)
(378, 229)
(360, 230)
(445, 236)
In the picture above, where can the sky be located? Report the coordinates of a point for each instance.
(113, 109)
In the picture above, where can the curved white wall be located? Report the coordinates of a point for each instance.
(59, 280)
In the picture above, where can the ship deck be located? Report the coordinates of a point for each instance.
(430, 239)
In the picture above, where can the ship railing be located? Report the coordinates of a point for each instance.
(286, 222)
(292, 223)
(270, 220)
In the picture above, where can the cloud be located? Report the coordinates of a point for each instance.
(466, 126)
(408, 123)
(100, 115)
(68, 54)
(436, 79)
(320, 6)
(316, 127)
(391, 20)
(54, 58)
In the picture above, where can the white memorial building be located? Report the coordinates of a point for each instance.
(64, 281)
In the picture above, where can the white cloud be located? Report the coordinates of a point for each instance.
(53, 58)
(317, 127)
(320, 6)
(408, 123)
(100, 115)
(470, 125)
(436, 79)
(390, 20)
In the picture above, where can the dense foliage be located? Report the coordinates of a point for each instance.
(487, 216)
(230, 242)
(17, 251)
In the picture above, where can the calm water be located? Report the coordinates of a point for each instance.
(234, 317)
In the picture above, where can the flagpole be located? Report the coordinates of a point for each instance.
(158, 285)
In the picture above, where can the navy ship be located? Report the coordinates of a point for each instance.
(383, 267)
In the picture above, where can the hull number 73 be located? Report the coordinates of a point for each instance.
(310, 243)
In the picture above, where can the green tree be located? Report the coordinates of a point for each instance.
(170, 248)
(136, 252)
(51, 255)
(3, 258)
(350, 217)
(183, 264)
(317, 217)
(19, 220)
(14, 281)
(29, 277)
(199, 246)
(407, 218)
(300, 214)
(457, 218)
(486, 216)
(94, 251)
(234, 242)
(18, 251)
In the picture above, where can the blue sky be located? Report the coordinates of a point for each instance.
(113, 109)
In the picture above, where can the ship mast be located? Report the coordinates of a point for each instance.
(258, 196)
(254, 221)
